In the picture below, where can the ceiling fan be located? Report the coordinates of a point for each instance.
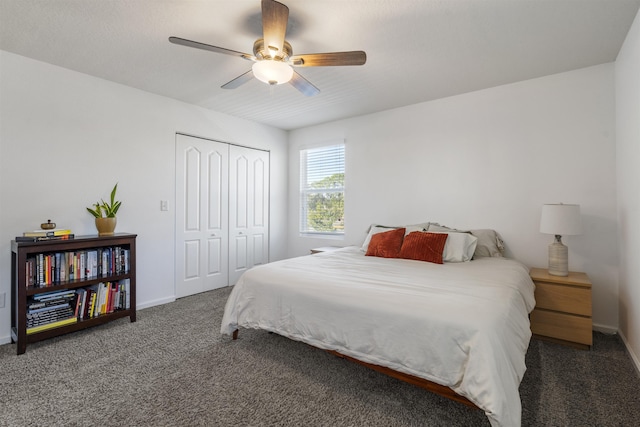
(273, 57)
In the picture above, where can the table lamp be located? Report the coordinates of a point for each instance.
(559, 220)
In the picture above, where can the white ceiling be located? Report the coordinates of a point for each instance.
(417, 50)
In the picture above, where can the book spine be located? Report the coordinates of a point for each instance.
(92, 309)
(127, 292)
(83, 302)
(49, 308)
(33, 239)
(41, 319)
(47, 233)
(86, 304)
(53, 295)
(78, 303)
(51, 325)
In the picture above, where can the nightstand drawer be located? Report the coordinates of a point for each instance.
(567, 299)
(561, 326)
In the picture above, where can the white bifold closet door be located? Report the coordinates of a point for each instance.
(248, 210)
(222, 213)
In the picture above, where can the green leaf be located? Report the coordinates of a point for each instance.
(113, 194)
(109, 209)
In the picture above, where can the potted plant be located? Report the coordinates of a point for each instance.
(105, 214)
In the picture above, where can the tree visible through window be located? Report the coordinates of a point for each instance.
(322, 190)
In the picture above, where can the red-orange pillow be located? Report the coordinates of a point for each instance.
(423, 246)
(386, 244)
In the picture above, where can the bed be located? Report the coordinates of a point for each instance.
(462, 325)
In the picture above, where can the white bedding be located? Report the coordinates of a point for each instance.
(462, 325)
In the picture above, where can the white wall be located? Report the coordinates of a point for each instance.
(66, 138)
(627, 77)
(488, 159)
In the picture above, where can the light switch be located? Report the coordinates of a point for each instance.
(164, 205)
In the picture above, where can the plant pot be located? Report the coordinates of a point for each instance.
(106, 226)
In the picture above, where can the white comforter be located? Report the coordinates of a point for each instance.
(462, 325)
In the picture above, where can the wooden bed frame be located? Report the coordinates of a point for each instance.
(438, 389)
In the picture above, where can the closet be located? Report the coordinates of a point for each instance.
(222, 213)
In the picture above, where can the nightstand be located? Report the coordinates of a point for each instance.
(563, 308)
(324, 249)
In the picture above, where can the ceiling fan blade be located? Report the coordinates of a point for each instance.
(303, 85)
(238, 81)
(274, 25)
(356, 57)
(198, 45)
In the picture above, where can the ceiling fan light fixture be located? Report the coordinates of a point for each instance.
(272, 72)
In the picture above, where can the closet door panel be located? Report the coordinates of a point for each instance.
(240, 191)
(240, 254)
(248, 210)
(258, 249)
(259, 200)
(259, 229)
(202, 183)
(192, 259)
(215, 257)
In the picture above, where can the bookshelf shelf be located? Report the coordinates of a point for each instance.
(22, 293)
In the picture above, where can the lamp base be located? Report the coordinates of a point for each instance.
(558, 258)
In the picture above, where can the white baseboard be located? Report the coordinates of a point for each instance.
(153, 303)
(7, 339)
(634, 357)
(609, 330)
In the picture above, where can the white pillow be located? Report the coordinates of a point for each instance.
(416, 227)
(490, 243)
(459, 247)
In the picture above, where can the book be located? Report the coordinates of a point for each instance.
(46, 303)
(64, 293)
(47, 233)
(48, 308)
(78, 306)
(37, 321)
(56, 312)
(92, 306)
(43, 238)
(34, 319)
(51, 325)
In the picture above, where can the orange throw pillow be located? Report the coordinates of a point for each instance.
(423, 246)
(386, 244)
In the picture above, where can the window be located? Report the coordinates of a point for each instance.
(322, 190)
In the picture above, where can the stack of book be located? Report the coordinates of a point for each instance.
(51, 310)
(41, 235)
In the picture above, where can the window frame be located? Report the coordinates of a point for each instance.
(304, 191)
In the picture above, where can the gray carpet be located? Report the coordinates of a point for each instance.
(172, 368)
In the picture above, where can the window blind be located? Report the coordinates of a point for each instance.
(322, 190)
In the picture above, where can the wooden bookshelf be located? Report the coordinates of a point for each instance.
(22, 291)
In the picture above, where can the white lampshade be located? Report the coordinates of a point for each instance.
(272, 72)
(563, 220)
